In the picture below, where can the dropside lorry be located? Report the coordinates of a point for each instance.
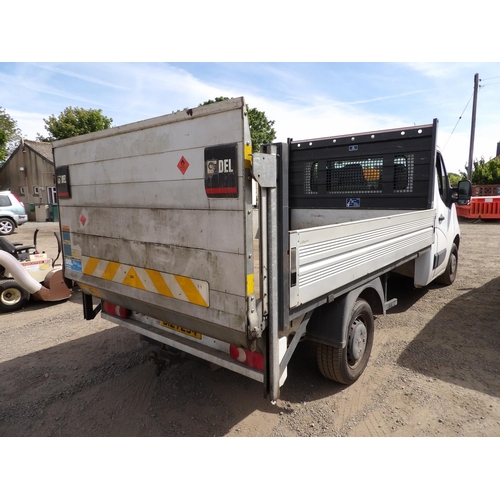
(162, 232)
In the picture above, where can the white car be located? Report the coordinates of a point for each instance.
(12, 213)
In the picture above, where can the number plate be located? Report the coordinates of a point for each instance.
(182, 330)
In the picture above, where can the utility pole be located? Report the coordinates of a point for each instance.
(473, 127)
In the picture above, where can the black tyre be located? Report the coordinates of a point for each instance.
(448, 277)
(346, 365)
(7, 226)
(12, 296)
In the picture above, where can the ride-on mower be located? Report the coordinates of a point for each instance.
(25, 272)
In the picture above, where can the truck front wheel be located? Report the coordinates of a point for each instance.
(346, 365)
(448, 277)
(12, 296)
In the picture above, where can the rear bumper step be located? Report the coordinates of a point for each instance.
(168, 337)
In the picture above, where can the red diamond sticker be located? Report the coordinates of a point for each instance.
(83, 219)
(183, 165)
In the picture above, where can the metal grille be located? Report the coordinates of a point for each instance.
(404, 166)
(386, 169)
(363, 175)
(311, 178)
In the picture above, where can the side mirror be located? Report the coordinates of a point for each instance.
(464, 190)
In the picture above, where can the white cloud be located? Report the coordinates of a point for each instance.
(37, 87)
(80, 76)
(30, 124)
(439, 71)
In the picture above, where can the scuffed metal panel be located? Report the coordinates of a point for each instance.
(193, 229)
(220, 269)
(139, 205)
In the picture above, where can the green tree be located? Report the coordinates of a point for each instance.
(485, 172)
(454, 179)
(261, 128)
(74, 121)
(10, 134)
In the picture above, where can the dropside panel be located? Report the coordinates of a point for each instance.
(326, 259)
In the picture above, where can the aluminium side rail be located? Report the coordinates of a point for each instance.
(329, 258)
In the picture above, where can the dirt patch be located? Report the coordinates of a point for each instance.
(434, 370)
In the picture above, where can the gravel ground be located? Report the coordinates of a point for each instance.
(434, 370)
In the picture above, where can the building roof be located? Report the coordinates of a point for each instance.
(42, 148)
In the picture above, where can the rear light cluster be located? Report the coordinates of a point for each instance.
(115, 310)
(18, 199)
(249, 358)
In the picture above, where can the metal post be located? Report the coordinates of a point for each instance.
(272, 235)
(264, 171)
(263, 250)
(473, 127)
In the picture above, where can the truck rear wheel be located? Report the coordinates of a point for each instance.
(12, 296)
(346, 365)
(448, 277)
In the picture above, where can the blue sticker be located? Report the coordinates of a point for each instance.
(67, 250)
(353, 148)
(73, 264)
(353, 202)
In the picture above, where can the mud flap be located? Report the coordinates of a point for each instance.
(329, 322)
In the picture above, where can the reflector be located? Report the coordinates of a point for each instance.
(249, 358)
(115, 310)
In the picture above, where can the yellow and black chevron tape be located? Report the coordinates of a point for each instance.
(169, 285)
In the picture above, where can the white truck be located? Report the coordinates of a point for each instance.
(161, 235)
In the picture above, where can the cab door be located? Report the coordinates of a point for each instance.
(445, 220)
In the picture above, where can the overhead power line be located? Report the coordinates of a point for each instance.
(490, 84)
(459, 118)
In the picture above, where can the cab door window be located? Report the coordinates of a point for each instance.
(443, 182)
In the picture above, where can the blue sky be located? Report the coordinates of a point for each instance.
(306, 100)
